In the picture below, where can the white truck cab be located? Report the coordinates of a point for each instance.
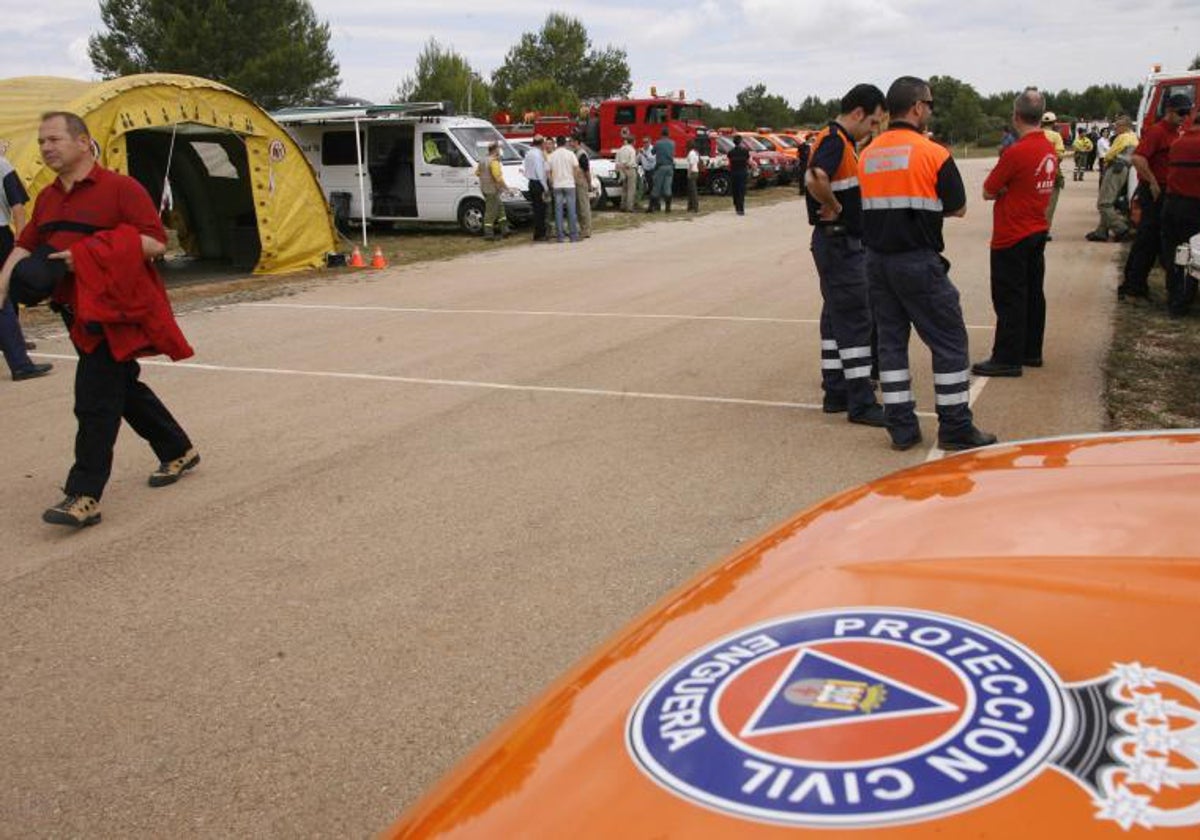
(410, 162)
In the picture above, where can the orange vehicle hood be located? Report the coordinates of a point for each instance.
(845, 697)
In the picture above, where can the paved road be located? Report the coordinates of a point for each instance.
(424, 494)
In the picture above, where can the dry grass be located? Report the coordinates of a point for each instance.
(1153, 367)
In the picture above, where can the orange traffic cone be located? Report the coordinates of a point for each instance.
(377, 261)
(356, 260)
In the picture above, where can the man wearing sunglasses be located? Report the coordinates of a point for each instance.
(1150, 161)
(909, 184)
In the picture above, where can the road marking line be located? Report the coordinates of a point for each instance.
(467, 383)
(415, 310)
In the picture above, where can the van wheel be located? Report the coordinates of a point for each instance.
(470, 216)
(718, 183)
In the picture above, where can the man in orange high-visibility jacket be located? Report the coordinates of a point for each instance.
(908, 184)
(835, 212)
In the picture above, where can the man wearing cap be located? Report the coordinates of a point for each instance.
(1060, 149)
(626, 159)
(1114, 172)
(534, 170)
(1181, 216)
(105, 229)
(13, 199)
(1150, 161)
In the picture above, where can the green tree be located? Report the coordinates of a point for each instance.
(562, 52)
(958, 110)
(813, 112)
(763, 109)
(274, 51)
(442, 75)
(1195, 65)
(544, 95)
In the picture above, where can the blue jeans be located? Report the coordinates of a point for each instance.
(564, 198)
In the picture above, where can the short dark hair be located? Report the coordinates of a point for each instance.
(867, 97)
(904, 94)
(560, 140)
(76, 127)
(666, 131)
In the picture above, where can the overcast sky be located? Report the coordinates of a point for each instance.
(715, 49)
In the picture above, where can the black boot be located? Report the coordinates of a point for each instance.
(667, 202)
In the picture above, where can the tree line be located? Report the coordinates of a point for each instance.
(277, 52)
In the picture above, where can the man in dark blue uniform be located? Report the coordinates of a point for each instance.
(835, 212)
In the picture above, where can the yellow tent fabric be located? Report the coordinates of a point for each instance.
(294, 224)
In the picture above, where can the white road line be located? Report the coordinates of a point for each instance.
(467, 383)
(416, 310)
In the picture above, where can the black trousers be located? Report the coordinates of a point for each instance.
(538, 198)
(913, 289)
(846, 325)
(106, 392)
(1147, 245)
(1180, 222)
(1019, 298)
(738, 190)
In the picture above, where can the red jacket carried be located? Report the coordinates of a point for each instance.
(116, 288)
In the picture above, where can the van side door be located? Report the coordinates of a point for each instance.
(444, 174)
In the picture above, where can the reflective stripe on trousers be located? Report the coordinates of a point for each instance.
(912, 290)
(846, 357)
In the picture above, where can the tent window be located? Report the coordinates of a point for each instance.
(215, 159)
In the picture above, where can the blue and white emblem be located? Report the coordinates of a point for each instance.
(853, 717)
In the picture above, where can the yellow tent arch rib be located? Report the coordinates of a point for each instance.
(217, 143)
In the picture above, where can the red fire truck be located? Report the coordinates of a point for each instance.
(602, 127)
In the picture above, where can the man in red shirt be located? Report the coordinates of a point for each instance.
(87, 199)
(1181, 216)
(1021, 185)
(1150, 161)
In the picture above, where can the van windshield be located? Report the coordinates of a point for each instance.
(475, 141)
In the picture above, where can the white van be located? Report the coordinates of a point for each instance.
(411, 162)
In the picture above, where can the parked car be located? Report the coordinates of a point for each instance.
(785, 165)
(998, 644)
(763, 168)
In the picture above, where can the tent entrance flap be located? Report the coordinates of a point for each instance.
(210, 204)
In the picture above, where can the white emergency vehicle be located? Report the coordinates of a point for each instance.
(411, 162)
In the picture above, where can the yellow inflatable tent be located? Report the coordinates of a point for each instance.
(239, 189)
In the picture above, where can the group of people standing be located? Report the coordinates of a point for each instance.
(559, 169)
(1166, 161)
(877, 243)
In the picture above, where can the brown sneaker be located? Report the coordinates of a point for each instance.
(169, 472)
(77, 511)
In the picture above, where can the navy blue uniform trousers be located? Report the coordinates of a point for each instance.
(913, 290)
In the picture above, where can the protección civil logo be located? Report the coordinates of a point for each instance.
(864, 717)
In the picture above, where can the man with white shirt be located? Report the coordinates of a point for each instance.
(562, 166)
(626, 159)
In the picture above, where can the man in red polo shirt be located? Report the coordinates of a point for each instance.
(1181, 215)
(1150, 161)
(1021, 185)
(85, 200)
